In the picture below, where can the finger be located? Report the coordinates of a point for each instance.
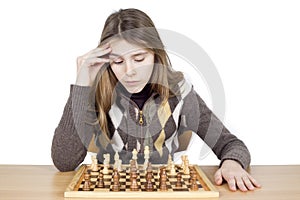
(96, 50)
(103, 46)
(218, 177)
(95, 61)
(248, 183)
(231, 184)
(240, 184)
(255, 183)
(102, 53)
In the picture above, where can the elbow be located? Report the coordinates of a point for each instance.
(67, 161)
(64, 164)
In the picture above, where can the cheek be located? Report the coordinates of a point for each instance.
(117, 71)
(148, 71)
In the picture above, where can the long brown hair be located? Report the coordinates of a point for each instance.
(137, 28)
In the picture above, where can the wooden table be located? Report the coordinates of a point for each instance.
(32, 182)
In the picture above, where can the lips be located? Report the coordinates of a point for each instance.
(131, 83)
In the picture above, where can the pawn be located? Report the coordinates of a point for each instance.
(163, 180)
(194, 185)
(133, 184)
(116, 182)
(105, 169)
(179, 183)
(149, 185)
(94, 165)
(172, 169)
(149, 177)
(87, 183)
(101, 181)
(170, 161)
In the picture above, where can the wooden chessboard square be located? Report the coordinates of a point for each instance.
(94, 173)
(172, 180)
(122, 180)
(93, 179)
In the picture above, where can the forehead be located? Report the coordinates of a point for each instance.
(122, 47)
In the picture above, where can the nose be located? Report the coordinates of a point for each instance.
(129, 69)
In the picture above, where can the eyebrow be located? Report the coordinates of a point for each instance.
(135, 54)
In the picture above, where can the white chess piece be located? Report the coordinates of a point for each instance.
(106, 163)
(134, 154)
(169, 162)
(94, 165)
(183, 158)
(119, 166)
(172, 168)
(134, 157)
(186, 169)
(116, 158)
(146, 157)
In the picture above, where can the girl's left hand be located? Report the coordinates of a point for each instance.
(235, 176)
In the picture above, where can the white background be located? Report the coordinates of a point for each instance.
(255, 46)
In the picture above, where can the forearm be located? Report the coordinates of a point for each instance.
(72, 136)
(67, 150)
(229, 147)
(224, 144)
(212, 131)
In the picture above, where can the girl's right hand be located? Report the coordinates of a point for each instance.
(89, 64)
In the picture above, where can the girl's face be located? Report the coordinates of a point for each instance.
(131, 64)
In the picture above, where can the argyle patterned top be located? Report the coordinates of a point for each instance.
(156, 125)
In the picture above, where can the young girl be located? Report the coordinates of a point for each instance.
(127, 96)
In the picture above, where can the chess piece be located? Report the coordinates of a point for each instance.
(106, 163)
(133, 166)
(87, 182)
(94, 165)
(183, 158)
(133, 181)
(163, 180)
(179, 183)
(105, 169)
(186, 169)
(169, 162)
(116, 182)
(149, 167)
(149, 178)
(194, 185)
(149, 183)
(191, 175)
(172, 169)
(116, 158)
(146, 156)
(134, 156)
(101, 181)
(119, 165)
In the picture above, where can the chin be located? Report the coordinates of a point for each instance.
(134, 90)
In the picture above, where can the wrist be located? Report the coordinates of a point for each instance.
(229, 162)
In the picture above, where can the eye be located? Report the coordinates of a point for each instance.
(118, 62)
(139, 58)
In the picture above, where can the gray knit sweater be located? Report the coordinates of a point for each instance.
(156, 126)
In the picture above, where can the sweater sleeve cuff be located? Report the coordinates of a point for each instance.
(238, 157)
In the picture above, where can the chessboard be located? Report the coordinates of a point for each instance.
(202, 187)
